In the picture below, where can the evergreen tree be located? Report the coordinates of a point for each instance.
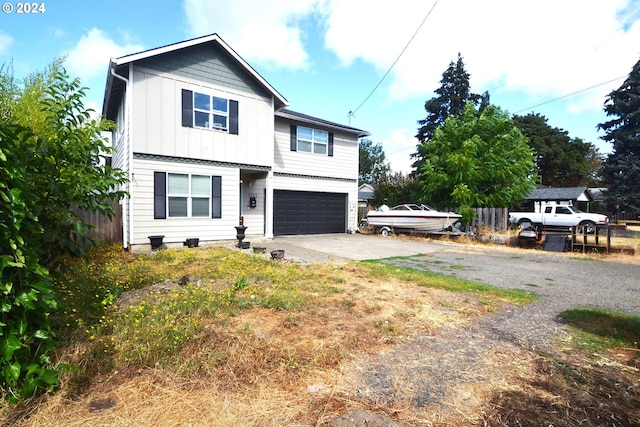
(451, 99)
(561, 161)
(621, 170)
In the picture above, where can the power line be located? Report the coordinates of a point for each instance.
(542, 103)
(570, 94)
(352, 112)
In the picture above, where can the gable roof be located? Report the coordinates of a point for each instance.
(365, 192)
(299, 117)
(560, 193)
(115, 87)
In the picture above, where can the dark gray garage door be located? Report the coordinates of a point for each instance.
(307, 212)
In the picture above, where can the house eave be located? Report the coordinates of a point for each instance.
(315, 121)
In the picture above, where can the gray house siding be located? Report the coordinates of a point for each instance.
(206, 63)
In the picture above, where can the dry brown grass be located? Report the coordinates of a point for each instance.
(262, 367)
(305, 367)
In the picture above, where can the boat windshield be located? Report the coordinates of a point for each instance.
(412, 207)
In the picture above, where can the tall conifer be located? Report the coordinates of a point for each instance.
(621, 170)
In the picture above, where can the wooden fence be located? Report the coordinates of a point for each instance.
(490, 219)
(107, 230)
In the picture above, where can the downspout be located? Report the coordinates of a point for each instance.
(126, 224)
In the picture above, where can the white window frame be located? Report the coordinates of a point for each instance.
(316, 142)
(188, 195)
(211, 112)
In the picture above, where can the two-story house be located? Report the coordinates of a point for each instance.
(206, 141)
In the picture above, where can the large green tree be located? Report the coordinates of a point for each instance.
(372, 162)
(561, 161)
(52, 162)
(621, 170)
(450, 100)
(476, 160)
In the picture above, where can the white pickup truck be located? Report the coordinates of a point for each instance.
(559, 216)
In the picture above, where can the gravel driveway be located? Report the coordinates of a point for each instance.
(431, 372)
(560, 280)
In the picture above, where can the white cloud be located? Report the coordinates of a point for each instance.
(90, 56)
(540, 50)
(543, 49)
(267, 32)
(5, 41)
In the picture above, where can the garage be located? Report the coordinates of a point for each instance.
(308, 212)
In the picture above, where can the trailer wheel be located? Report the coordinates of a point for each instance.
(385, 231)
(588, 227)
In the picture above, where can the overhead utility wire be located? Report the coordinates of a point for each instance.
(570, 94)
(546, 102)
(351, 113)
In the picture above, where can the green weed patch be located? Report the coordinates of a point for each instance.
(601, 329)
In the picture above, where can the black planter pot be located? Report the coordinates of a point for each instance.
(156, 241)
(192, 242)
(277, 254)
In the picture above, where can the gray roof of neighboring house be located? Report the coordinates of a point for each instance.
(560, 193)
(365, 195)
(300, 117)
(365, 192)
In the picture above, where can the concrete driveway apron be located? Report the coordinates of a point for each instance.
(315, 248)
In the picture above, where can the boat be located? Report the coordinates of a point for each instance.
(410, 218)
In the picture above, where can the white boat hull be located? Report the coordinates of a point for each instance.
(421, 221)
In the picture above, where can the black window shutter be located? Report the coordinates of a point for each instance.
(330, 148)
(159, 195)
(294, 138)
(216, 197)
(233, 117)
(187, 108)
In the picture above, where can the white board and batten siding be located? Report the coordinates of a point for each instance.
(177, 230)
(158, 130)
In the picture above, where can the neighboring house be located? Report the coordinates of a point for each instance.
(206, 142)
(580, 197)
(365, 194)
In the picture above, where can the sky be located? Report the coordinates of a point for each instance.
(370, 64)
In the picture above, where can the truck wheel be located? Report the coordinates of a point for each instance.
(588, 227)
(385, 231)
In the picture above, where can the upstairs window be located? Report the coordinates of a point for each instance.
(209, 112)
(310, 140)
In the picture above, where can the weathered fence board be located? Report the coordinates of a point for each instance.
(489, 219)
(106, 229)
